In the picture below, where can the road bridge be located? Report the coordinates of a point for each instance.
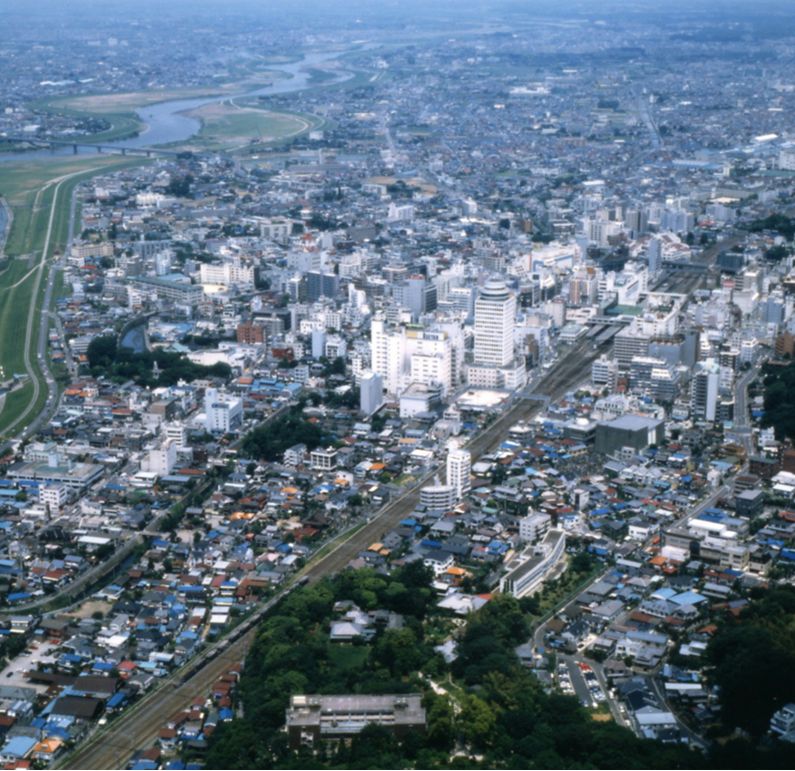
(147, 152)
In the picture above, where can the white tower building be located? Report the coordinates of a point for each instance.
(495, 318)
(495, 365)
(459, 466)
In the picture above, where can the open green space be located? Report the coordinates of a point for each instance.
(16, 403)
(347, 656)
(30, 188)
(246, 123)
(119, 109)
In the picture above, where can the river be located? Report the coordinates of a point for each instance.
(166, 122)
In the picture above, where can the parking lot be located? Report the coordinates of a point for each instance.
(29, 659)
(578, 679)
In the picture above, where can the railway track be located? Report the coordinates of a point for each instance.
(113, 746)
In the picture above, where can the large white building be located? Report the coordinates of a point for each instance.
(161, 460)
(705, 387)
(54, 496)
(226, 274)
(222, 413)
(495, 318)
(459, 468)
(534, 527)
(415, 354)
(495, 365)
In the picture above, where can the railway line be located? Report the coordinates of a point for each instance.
(112, 746)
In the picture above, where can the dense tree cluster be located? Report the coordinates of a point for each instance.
(779, 401)
(120, 364)
(269, 441)
(777, 222)
(505, 717)
(753, 661)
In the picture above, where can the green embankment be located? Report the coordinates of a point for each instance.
(30, 188)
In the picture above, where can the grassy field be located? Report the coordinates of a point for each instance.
(120, 109)
(348, 656)
(30, 188)
(239, 123)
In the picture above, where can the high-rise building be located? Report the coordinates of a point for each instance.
(704, 390)
(459, 465)
(371, 392)
(655, 254)
(495, 364)
(318, 343)
(495, 319)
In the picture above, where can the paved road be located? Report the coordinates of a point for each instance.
(742, 426)
(659, 693)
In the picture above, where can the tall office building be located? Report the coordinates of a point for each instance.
(318, 343)
(495, 319)
(371, 392)
(495, 365)
(459, 466)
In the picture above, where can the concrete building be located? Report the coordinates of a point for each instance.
(161, 460)
(494, 362)
(527, 571)
(341, 717)
(438, 497)
(371, 392)
(226, 274)
(223, 413)
(318, 343)
(178, 292)
(415, 354)
(323, 459)
(534, 527)
(250, 334)
(459, 467)
(495, 318)
(705, 388)
(628, 431)
(53, 496)
(320, 284)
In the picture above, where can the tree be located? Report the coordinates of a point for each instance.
(180, 186)
(441, 720)
(477, 721)
(102, 351)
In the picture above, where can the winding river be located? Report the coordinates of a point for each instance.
(167, 123)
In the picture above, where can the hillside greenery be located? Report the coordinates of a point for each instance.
(779, 399)
(752, 661)
(493, 714)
